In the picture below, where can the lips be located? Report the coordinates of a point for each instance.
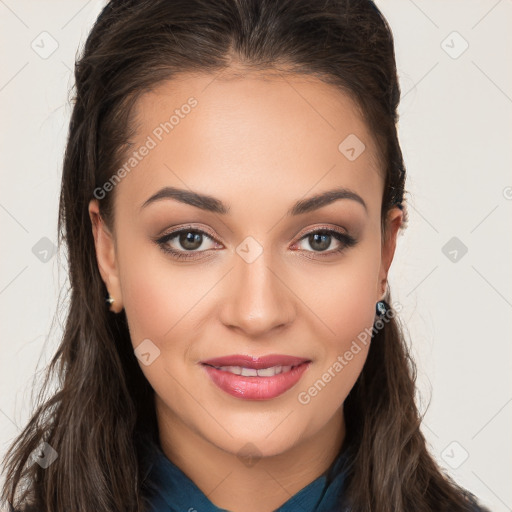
(256, 378)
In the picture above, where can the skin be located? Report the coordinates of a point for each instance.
(258, 143)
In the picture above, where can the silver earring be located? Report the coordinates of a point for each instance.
(108, 299)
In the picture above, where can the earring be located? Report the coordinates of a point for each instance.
(381, 308)
(108, 299)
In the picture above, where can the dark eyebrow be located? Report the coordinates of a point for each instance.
(211, 204)
(203, 201)
(323, 199)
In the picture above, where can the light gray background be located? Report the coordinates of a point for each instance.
(456, 134)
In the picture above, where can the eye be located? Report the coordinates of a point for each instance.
(321, 240)
(186, 240)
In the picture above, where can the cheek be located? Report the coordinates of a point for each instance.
(155, 296)
(160, 303)
(343, 298)
(161, 306)
(344, 310)
(343, 355)
(350, 307)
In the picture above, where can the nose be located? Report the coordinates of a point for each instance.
(256, 298)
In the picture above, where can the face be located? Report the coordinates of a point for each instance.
(250, 266)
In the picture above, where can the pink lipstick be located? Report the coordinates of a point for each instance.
(256, 378)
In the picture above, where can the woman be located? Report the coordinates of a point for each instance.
(233, 184)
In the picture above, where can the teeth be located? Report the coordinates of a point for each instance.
(270, 372)
(249, 372)
(252, 372)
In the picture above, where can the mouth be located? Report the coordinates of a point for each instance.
(253, 378)
(253, 362)
(253, 372)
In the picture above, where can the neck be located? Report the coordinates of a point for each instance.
(234, 482)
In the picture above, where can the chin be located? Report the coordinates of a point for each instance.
(261, 444)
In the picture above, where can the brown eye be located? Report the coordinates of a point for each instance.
(322, 239)
(183, 241)
(190, 240)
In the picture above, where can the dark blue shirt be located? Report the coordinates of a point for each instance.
(173, 491)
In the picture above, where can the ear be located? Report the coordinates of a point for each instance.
(393, 222)
(106, 256)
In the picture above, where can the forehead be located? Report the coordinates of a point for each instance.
(228, 133)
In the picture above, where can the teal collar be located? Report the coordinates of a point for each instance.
(170, 490)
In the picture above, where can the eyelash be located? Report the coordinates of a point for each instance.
(346, 241)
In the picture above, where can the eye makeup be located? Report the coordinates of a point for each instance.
(313, 236)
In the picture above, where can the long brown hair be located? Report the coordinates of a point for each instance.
(103, 412)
